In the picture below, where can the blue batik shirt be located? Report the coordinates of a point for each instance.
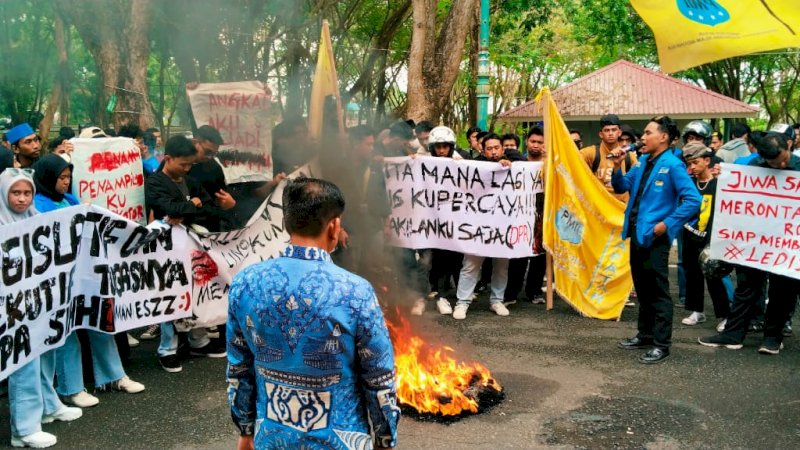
(310, 363)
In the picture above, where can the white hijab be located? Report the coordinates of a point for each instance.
(7, 179)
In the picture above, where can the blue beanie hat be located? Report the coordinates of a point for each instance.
(18, 132)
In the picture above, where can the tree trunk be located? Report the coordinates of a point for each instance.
(474, 49)
(117, 36)
(59, 86)
(434, 61)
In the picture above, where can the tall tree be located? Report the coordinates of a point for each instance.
(116, 33)
(435, 58)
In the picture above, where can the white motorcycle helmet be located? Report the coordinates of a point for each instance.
(441, 135)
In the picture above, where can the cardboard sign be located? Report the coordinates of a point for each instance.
(108, 173)
(241, 113)
(757, 219)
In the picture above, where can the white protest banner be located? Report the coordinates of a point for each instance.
(218, 257)
(108, 173)
(757, 219)
(83, 267)
(472, 207)
(240, 111)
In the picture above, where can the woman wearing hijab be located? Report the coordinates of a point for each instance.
(32, 399)
(53, 176)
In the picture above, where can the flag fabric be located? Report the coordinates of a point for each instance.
(582, 226)
(325, 83)
(693, 32)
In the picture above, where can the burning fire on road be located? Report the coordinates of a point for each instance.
(432, 384)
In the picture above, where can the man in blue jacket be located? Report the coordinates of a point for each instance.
(662, 199)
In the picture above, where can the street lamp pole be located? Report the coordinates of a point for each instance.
(483, 68)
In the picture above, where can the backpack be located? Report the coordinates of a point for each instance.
(596, 162)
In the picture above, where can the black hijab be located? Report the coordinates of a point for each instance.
(46, 172)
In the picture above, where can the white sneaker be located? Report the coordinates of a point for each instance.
(152, 332)
(444, 306)
(499, 309)
(132, 341)
(419, 307)
(460, 312)
(63, 414)
(127, 385)
(473, 297)
(40, 439)
(721, 326)
(82, 399)
(694, 318)
(432, 295)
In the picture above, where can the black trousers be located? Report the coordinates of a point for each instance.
(783, 294)
(650, 271)
(695, 281)
(446, 265)
(535, 267)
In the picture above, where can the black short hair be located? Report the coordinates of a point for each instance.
(208, 133)
(739, 129)
(130, 130)
(401, 130)
(771, 144)
(411, 123)
(110, 132)
(149, 139)
(67, 132)
(286, 129)
(534, 130)
(152, 130)
(580, 135)
(309, 204)
(472, 130)
(609, 119)
(359, 132)
(423, 127)
(490, 136)
(508, 136)
(57, 141)
(668, 126)
(179, 146)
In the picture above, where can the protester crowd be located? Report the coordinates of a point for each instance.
(186, 185)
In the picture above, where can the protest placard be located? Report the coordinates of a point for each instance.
(757, 219)
(108, 173)
(473, 207)
(240, 111)
(84, 267)
(218, 257)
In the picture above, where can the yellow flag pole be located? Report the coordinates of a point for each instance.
(549, 277)
(337, 94)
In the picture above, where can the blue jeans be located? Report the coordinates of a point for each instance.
(168, 345)
(106, 364)
(471, 273)
(31, 395)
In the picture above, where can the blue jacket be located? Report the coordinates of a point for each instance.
(46, 204)
(669, 196)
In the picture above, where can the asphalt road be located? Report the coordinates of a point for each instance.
(567, 386)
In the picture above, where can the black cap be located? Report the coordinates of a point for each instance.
(627, 129)
(209, 133)
(401, 130)
(609, 119)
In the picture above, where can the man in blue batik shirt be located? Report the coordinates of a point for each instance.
(310, 363)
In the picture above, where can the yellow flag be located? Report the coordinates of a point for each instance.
(694, 32)
(582, 226)
(325, 82)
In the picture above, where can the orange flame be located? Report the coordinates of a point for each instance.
(430, 380)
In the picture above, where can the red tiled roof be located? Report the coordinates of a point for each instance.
(638, 93)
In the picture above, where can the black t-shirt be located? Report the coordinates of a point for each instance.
(699, 227)
(210, 175)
